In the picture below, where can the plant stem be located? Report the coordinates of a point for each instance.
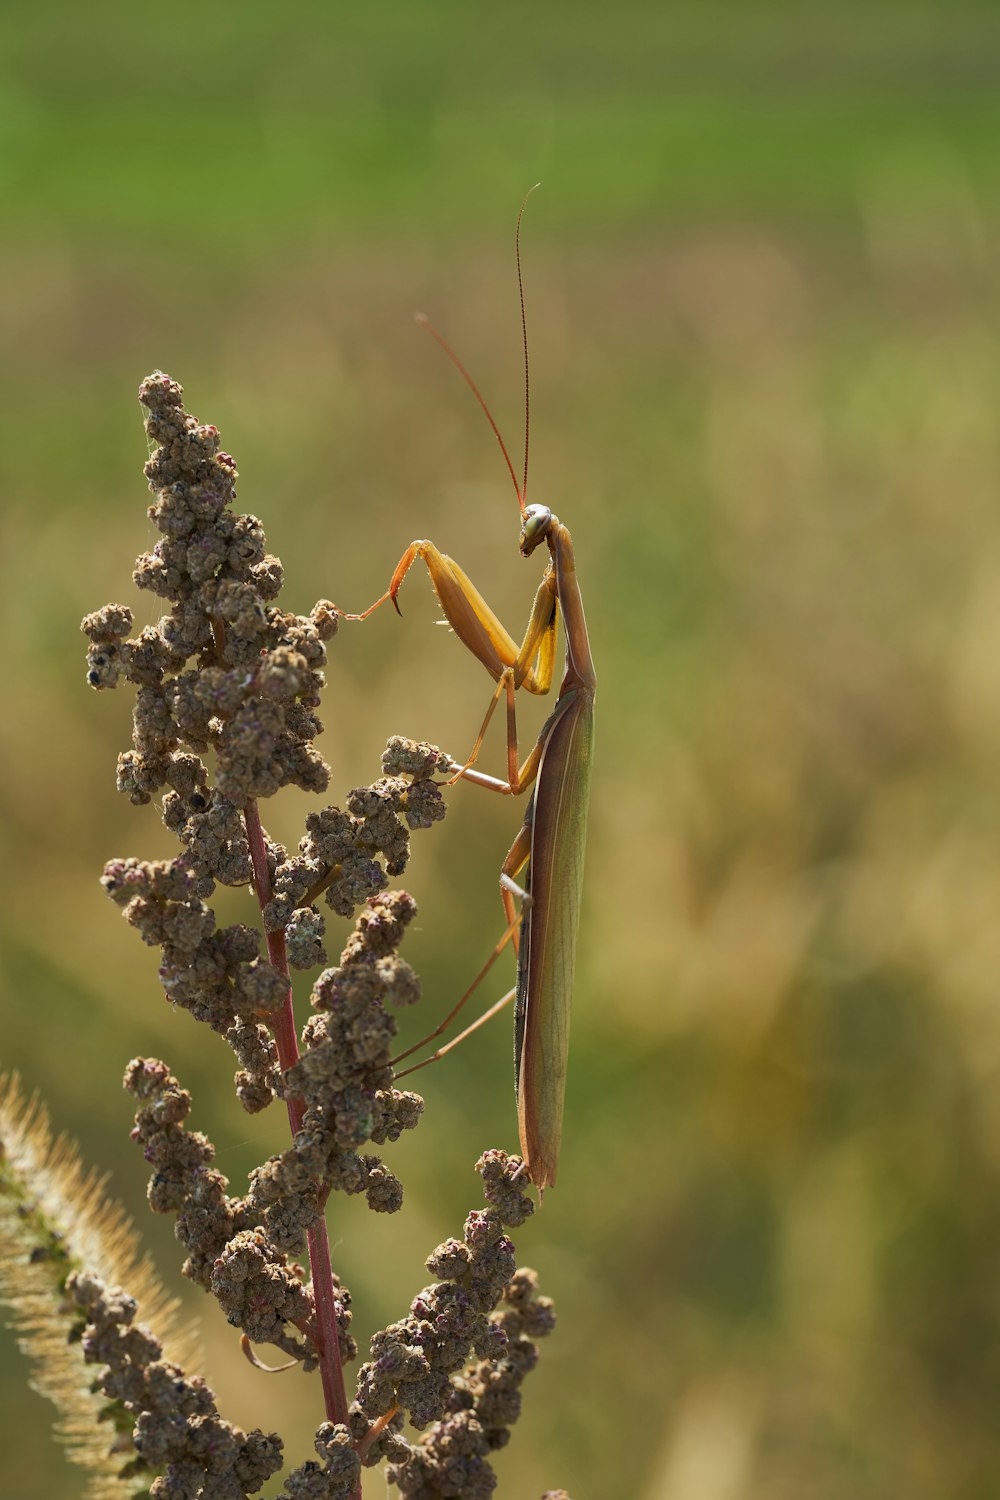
(284, 1022)
(286, 1041)
(324, 1297)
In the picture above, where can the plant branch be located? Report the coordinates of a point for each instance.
(324, 1296)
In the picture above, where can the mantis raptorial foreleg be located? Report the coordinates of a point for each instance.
(529, 665)
(538, 647)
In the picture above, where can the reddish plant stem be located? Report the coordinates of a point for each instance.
(324, 1297)
(284, 1022)
(327, 1332)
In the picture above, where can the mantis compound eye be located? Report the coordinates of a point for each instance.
(534, 527)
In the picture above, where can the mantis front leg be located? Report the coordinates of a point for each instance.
(529, 665)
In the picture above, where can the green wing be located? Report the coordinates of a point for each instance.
(548, 935)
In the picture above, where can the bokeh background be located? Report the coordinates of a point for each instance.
(763, 303)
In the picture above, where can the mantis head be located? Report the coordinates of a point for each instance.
(534, 527)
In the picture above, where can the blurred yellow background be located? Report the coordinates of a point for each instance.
(763, 310)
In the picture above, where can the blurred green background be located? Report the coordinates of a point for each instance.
(763, 309)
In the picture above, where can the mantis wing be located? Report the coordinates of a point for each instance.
(558, 821)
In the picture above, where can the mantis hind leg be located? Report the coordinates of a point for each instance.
(516, 859)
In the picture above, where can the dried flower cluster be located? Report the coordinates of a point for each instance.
(177, 1426)
(227, 691)
(480, 1303)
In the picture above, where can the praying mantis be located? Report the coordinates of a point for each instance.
(549, 846)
